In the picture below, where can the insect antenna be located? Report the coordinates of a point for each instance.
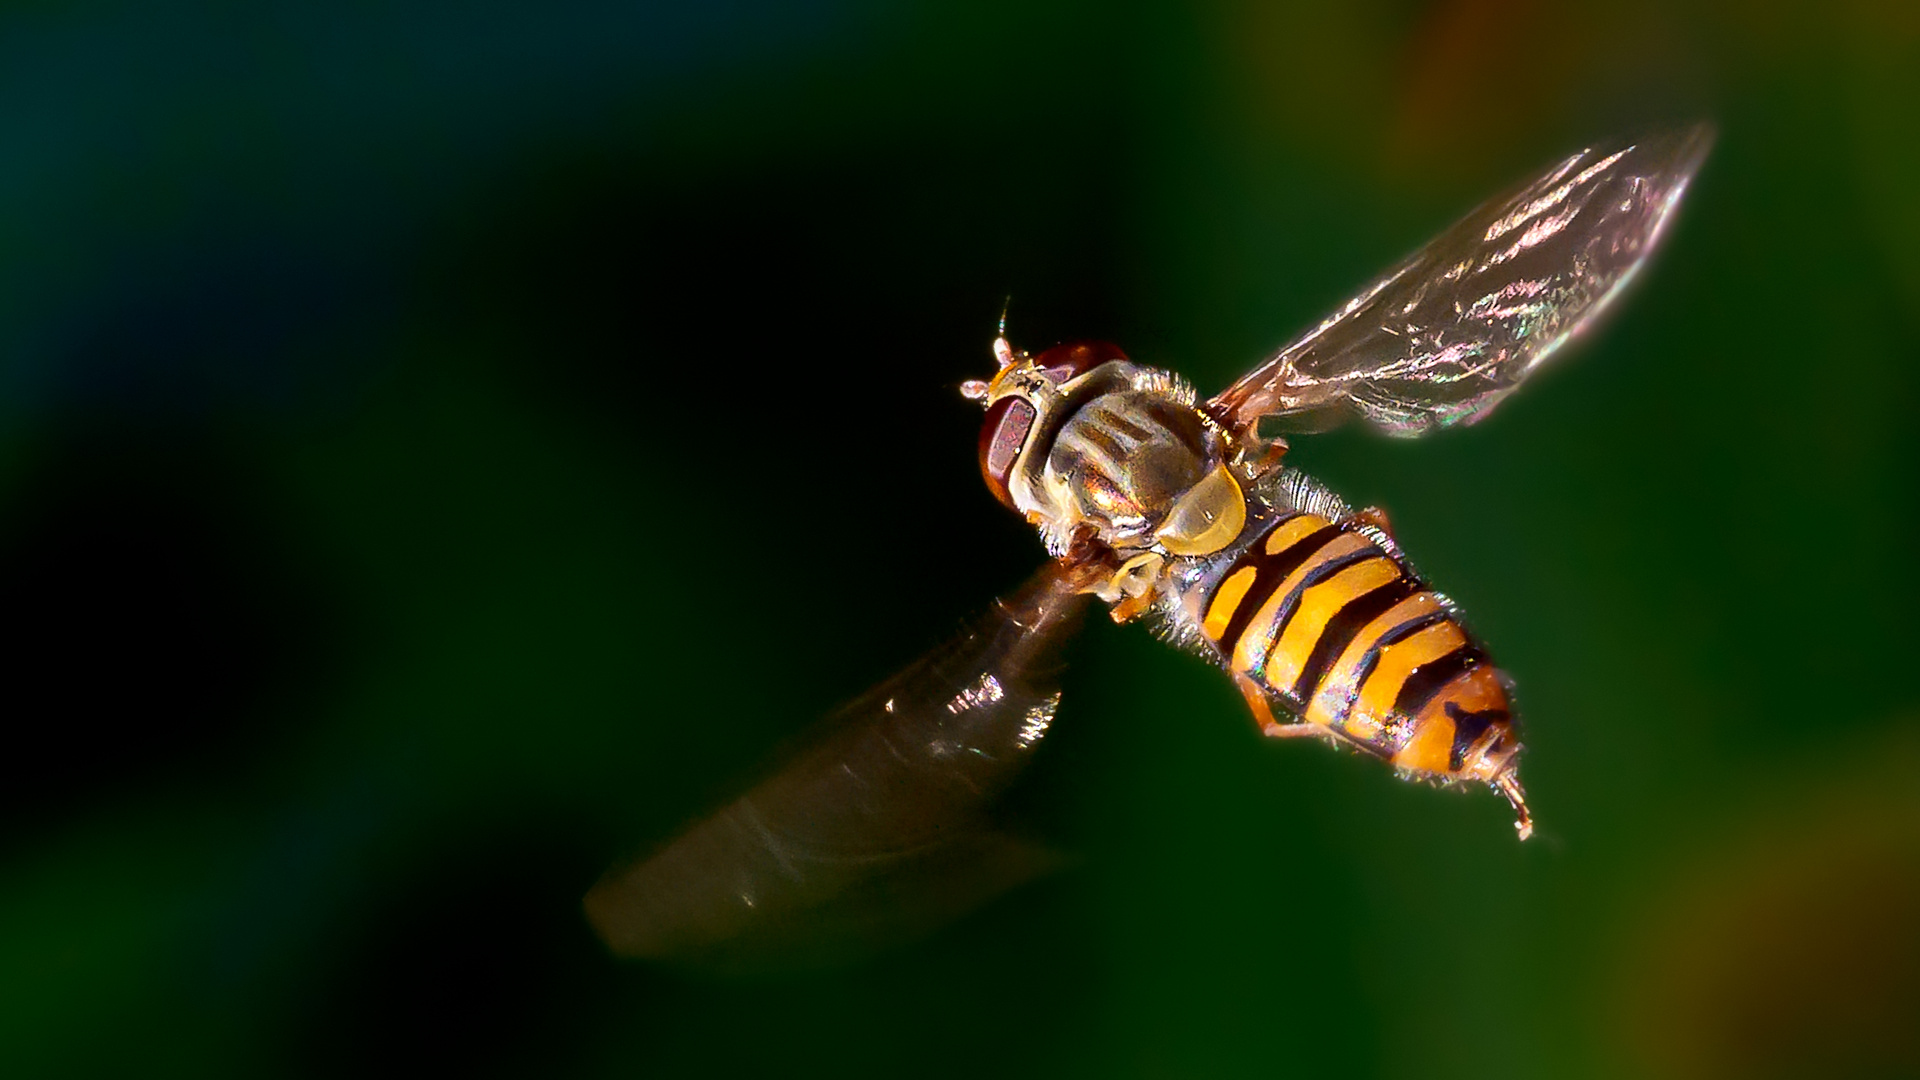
(976, 389)
(1002, 349)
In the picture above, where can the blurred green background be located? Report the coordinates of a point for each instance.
(443, 449)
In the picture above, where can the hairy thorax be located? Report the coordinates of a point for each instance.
(1124, 459)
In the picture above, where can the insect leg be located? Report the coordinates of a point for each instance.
(1130, 588)
(1262, 707)
(1263, 711)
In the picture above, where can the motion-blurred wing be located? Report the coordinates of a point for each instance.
(1443, 336)
(878, 829)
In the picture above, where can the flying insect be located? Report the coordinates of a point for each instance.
(1182, 512)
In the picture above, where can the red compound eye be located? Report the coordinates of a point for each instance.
(1063, 362)
(1001, 436)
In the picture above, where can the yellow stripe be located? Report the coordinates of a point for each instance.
(1250, 652)
(1292, 531)
(1317, 605)
(1337, 689)
(1226, 600)
(1397, 661)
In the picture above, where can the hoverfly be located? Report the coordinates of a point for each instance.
(1182, 512)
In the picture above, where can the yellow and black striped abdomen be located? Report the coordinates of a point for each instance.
(1322, 620)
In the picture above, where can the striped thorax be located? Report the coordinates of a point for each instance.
(1084, 442)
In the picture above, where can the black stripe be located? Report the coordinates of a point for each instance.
(1103, 440)
(1269, 572)
(1467, 729)
(1346, 625)
(1178, 422)
(1427, 679)
(1043, 436)
(1364, 669)
(1116, 420)
(1319, 574)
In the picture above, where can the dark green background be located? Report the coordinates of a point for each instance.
(442, 450)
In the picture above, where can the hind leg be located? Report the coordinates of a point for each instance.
(1263, 712)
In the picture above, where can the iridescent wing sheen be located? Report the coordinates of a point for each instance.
(1446, 334)
(876, 830)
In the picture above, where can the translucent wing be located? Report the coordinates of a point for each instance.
(876, 830)
(1443, 336)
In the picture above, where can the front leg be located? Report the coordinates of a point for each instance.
(1089, 562)
(1131, 587)
(1127, 585)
